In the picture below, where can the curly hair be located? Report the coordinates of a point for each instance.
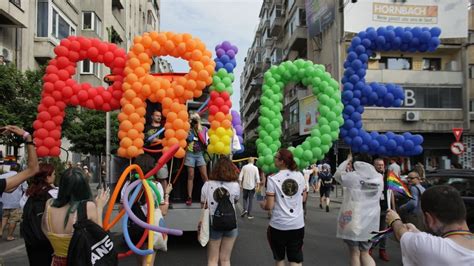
(224, 170)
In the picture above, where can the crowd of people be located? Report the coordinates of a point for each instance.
(430, 226)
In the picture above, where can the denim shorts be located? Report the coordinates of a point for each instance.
(194, 159)
(163, 172)
(216, 235)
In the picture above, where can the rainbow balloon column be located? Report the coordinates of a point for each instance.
(239, 131)
(221, 133)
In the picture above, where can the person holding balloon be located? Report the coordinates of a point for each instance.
(153, 141)
(146, 163)
(195, 153)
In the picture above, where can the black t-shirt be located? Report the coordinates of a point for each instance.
(326, 179)
(3, 185)
(149, 131)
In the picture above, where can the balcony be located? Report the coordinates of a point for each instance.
(43, 50)
(415, 77)
(118, 4)
(298, 39)
(11, 14)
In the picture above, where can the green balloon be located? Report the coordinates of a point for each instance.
(326, 139)
(297, 161)
(308, 155)
(268, 140)
(331, 116)
(316, 152)
(325, 148)
(323, 121)
(298, 152)
(325, 129)
(265, 168)
(306, 145)
(268, 159)
(315, 142)
(334, 125)
(335, 134)
(274, 148)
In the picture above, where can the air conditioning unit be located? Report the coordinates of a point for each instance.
(412, 116)
(375, 56)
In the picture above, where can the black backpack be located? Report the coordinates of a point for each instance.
(30, 226)
(224, 217)
(90, 244)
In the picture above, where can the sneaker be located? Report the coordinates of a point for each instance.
(189, 202)
(243, 213)
(250, 217)
(383, 255)
(320, 206)
(327, 208)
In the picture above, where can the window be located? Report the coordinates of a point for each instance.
(395, 63)
(42, 18)
(471, 71)
(432, 64)
(277, 55)
(150, 18)
(294, 113)
(61, 27)
(433, 97)
(90, 21)
(16, 3)
(471, 36)
(88, 67)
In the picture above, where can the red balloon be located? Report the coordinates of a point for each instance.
(90, 104)
(62, 105)
(61, 50)
(67, 92)
(48, 87)
(51, 78)
(37, 124)
(48, 101)
(53, 110)
(57, 95)
(224, 108)
(92, 53)
(228, 103)
(42, 151)
(71, 70)
(108, 57)
(85, 43)
(98, 100)
(225, 95)
(118, 62)
(219, 101)
(55, 134)
(42, 108)
(106, 96)
(55, 151)
(95, 42)
(214, 95)
(75, 46)
(65, 42)
(74, 100)
(59, 85)
(103, 48)
(213, 109)
(76, 88)
(63, 62)
(51, 69)
(58, 120)
(49, 142)
(92, 93)
(63, 74)
(106, 107)
(44, 116)
(41, 133)
(82, 95)
(49, 125)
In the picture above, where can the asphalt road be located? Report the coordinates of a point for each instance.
(321, 247)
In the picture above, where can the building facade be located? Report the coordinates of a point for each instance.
(31, 29)
(438, 85)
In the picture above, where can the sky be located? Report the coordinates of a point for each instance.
(213, 21)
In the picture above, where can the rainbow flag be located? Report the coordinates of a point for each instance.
(396, 184)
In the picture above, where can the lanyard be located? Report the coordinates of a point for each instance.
(456, 232)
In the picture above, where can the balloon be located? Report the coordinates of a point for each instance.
(356, 93)
(330, 111)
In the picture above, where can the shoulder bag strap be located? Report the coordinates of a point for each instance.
(82, 211)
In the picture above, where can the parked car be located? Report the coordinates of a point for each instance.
(460, 179)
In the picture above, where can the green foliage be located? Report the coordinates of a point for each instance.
(87, 132)
(21, 93)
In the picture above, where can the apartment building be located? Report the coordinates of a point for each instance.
(438, 85)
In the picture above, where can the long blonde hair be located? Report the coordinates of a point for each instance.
(197, 117)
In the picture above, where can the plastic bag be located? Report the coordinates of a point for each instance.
(359, 214)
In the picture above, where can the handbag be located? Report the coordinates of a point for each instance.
(203, 233)
(161, 239)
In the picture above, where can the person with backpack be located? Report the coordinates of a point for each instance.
(220, 194)
(324, 186)
(286, 192)
(61, 215)
(411, 211)
(41, 189)
(139, 208)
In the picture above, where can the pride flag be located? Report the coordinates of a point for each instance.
(396, 184)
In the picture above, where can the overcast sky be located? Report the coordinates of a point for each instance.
(213, 21)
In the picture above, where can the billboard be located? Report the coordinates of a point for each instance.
(319, 16)
(308, 114)
(449, 15)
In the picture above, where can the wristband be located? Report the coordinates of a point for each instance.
(26, 134)
(398, 219)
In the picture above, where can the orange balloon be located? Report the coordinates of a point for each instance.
(122, 134)
(132, 151)
(155, 86)
(196, 54)
(131, 78)
(146, 91)
(172, 141)
(215, 124)
(134, 118)
(175, 107)
(160, 95)
(178, 124)
(183, 115)
(169, 46)
(183, 143)
(191, 85)
(139, 127)
(126, 125)
(122, 117)
(132, 134)
(171, 116)
(138, 142)
(219, 116)
(137, 102)
(129, 94)
(190, 45)
(179, 90)
(197, 93)
(138, 48)
(133, 63)
(122, 152)
(226, 123)
(170, 92)
(180, 153)
(144, 58)
(167, 102)
(155, 48)
(146, 41)
(169, 133)
(126, 142)
(140, 71)
(181, 134)
(168, 125)
(128, 109)
(165, 83)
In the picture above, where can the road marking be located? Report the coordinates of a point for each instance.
(12, 250)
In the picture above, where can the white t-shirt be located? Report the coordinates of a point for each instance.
(52, 192)
(287, 187)
(208, 193)
(145, 206)
(249, 176)
(394, 167)
(307, 174)
(12, 200)
(425, 249)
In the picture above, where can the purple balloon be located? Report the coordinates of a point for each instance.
(230, 53)
(239, 130)
(241, 140)
(220, 52)
(226, 45)
(236, 50)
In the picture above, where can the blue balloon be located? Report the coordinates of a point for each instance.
(417, 139)
(347, 95)
(358, 124)
(360, 49)
(229, 67)
(356, 64)
(364, 148)
(407, 36)
(391, 144)
(425, 36)
(357, 94)
(357, 141)
(408, 145)
(435, 32)
(355, 41)
(349, 109)
(374, 145)
(366, 43)
(356, 116)
(353, 132)
(224, 59)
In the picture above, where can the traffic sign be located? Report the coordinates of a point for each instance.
(458, 148)
(457, 133)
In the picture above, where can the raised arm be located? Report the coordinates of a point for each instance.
(32, 167)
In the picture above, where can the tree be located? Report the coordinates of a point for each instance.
(21, 93)
(87, 132)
